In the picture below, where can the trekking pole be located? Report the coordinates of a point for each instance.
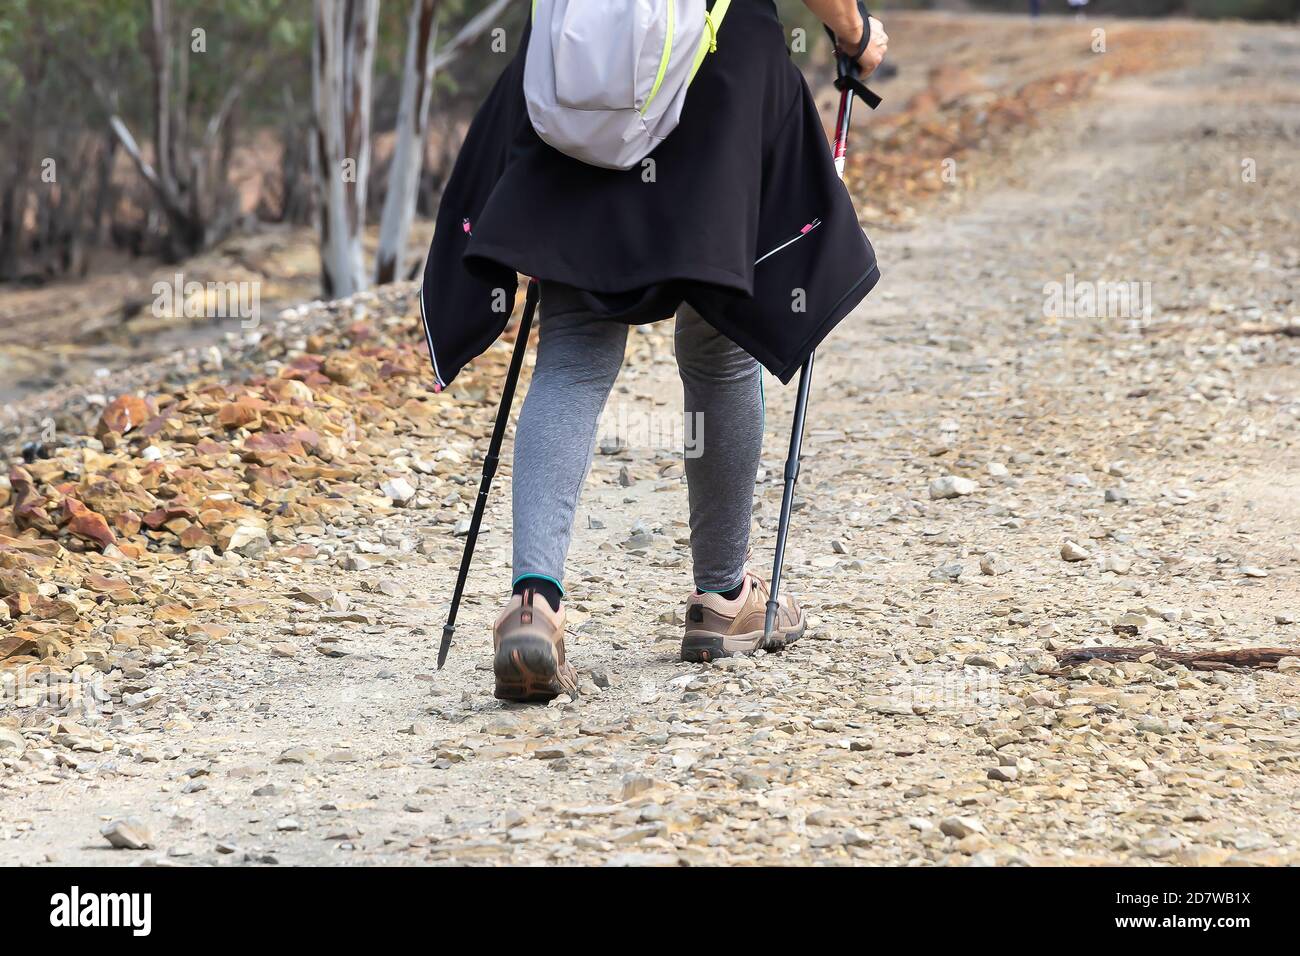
(847, 82)
(490, 464)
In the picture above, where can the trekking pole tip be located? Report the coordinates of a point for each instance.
(447, 631)
(770, 621)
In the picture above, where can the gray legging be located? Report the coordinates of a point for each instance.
(578, 358)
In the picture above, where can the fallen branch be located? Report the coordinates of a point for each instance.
(1264, 658)
(1290, 331)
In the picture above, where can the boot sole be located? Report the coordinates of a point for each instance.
(528, 671)
(703, 646)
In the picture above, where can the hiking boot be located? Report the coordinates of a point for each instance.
(716, 627)
(528, 651)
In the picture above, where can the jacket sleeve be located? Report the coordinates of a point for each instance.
(464, 312)
(812, 265)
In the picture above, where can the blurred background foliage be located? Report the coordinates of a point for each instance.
(239, 115)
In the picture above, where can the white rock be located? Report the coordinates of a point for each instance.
(398, 489)
(128, 834)
(295, 391)
(249, 541)
(1115, 564)
(12, 743)
(1070, 551)
(960, 827)
(952, 486)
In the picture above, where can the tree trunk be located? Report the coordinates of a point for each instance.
(343, 55)
(408, 153)
(187, 175)
(296, 188)
(10, 228)
(104, 192)
(421, 65)
(160, 56)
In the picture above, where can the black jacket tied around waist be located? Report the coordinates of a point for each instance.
(738, 213)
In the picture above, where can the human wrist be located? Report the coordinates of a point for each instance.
(850, 34)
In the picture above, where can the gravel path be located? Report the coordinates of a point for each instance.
(924, 719)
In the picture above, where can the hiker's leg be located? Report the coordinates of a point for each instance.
(722, 388)
(578, 358)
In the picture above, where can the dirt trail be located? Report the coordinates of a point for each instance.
(923, 720)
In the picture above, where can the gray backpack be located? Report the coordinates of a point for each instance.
(605, 80)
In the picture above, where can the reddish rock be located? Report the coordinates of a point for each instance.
(104, 585)
(171, 613)
(130, 550)
(245, 413)
(110, 499)
(125, 413)
(195, 537)
(347, 369)
(303, 363)
(269, 477)
(13, 581)
(29, 549)
(14, 646)
(295, 443)
(42, 608)
(161, 517)
(153, 426)
(86, 524)
(29, 504)
(128, 523)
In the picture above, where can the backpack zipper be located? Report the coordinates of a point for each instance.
(664, 59)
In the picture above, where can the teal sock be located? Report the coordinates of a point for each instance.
(543, 586)
(729, 595)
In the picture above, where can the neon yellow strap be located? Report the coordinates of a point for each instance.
(709, 42)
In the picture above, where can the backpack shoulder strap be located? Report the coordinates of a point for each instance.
(709, 42)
